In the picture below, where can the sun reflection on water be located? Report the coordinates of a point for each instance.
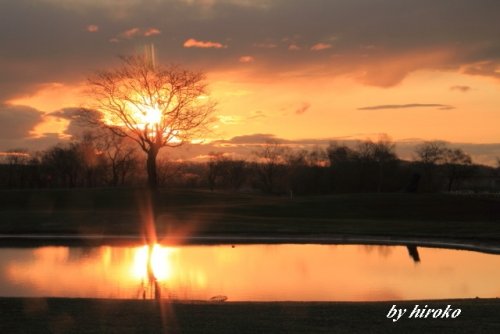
(157, 257)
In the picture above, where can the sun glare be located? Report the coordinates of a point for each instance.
(145, 115)
(151, 115)
(160, 259)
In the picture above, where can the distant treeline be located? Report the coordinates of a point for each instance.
(273, 168)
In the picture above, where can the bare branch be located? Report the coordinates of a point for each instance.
(155, 106)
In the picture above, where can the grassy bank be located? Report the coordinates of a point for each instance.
(124, 211)
(30, 315)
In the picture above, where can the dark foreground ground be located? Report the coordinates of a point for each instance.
(202, 213)
(18, 315)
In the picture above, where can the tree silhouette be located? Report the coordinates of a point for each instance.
(455, 163)
(380, 153)
(155, 106)
(344, 166)
(119, 155)
(271, 158)
(458, 166)
(64, 164)
(16, 158)
(430, 154)
(215, 169)
(222, 170)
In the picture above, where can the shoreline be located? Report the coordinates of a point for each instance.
(93, 240)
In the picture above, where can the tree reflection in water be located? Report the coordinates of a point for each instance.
(413, 252)
(152, 264)
(152, 289)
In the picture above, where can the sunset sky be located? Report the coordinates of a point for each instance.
(304, 71)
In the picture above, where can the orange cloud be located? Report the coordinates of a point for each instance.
(136, 32)
(152, 32)
(131, 33)
(293, 47)
(247, 59)
(92, 28)
(321, 46)
(193, 43)
(389, 70)
(460, 88)
(489, 68)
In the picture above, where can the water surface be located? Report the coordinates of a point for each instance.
(250, 272)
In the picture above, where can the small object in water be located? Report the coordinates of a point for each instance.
(218, 298)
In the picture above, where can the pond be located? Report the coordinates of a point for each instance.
(261, 272)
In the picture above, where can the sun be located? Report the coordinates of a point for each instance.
(145, 115)
(140, 116)
(159, 257)
(151, 116)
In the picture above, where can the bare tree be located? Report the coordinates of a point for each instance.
(215, 169)
(16, 158)
(458, 166)
(155, 106)
(456, 163)
(381, 153)
(235, 173)
(271, 157)
(344, 167)
(88, 157)
(222, 170)
(119, 155)
(431, 152)
(64, 165)
(169, 172)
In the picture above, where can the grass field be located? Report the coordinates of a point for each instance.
(124, 211)
(29, 315)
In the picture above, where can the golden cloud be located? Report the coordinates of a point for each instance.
(152, 32)
(321, 46)
(193, 43)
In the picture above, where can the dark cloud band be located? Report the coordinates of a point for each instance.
(408, 106)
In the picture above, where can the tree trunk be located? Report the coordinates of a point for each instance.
(114, 174)
(151, 167)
